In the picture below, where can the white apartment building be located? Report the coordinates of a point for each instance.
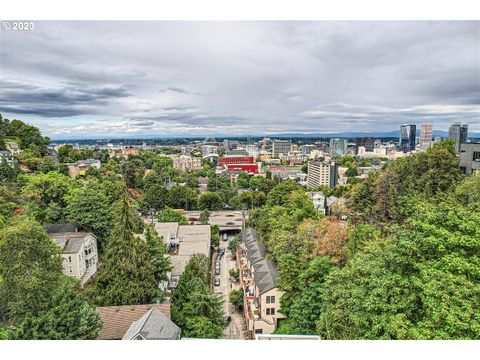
(252, 150)
(380, 151)
(322, 173)
(79, 251)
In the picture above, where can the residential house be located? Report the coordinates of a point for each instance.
(8, 156)
(336, 206)
(258, 277)
(183, 241)
(52, 154)
(134, 320)
(318, 200)
(80, 167)
(79, 250)
(154, 325)
(12, 147)
(130, 151)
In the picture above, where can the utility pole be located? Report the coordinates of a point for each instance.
(244, 210)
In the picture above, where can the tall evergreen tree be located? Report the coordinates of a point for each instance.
(126, 276)
(195, 308)
(157, 252)
(69, 317)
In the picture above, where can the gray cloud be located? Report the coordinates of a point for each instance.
(65, 100)
(233, 78)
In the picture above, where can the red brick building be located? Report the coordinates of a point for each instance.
(235, 159)
(248, 168)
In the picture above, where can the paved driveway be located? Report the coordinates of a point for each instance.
(234, 329)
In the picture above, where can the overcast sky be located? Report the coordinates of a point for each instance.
(234, 78)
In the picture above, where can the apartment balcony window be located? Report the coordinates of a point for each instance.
(253, 312)
(270, 299)
(270, 311)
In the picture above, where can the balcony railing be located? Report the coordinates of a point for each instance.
(253, 312)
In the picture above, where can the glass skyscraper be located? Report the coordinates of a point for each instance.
(458, 132)
(408, 133)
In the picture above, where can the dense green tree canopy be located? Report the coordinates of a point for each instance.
(195, 308)
(423, 284)
(210, 201)
(90, 206)
(46, 194)
(169, 215)
(69, 317)
(182, 197)
(38, 301)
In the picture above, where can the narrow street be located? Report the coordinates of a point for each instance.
(234, 328)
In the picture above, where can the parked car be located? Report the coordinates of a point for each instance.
(225, 236)
(227, 319)
(217, 282)
(217, 271)
(222, 252)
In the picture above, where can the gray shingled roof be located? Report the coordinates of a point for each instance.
(265, 271)
(256, 250)
(265, 275)
(70, 242)
(154, 325)
(61, 228)
(331, 200)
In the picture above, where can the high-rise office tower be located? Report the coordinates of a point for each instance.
(367, 142)
(281, 147)
(458, 132)
(426, 133)
(307, 149)
(252, 150)
(321, 172)
(338, 146)
(408, 134)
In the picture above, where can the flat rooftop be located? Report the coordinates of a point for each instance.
(225, 220)
(193, 239)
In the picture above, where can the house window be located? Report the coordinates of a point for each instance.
(268, 299)
(272, 299)
(69, 259)
(270, 311)
(476, 155)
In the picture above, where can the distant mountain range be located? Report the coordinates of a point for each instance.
(351, 134)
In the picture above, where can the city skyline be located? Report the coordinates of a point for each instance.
(114, 79)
